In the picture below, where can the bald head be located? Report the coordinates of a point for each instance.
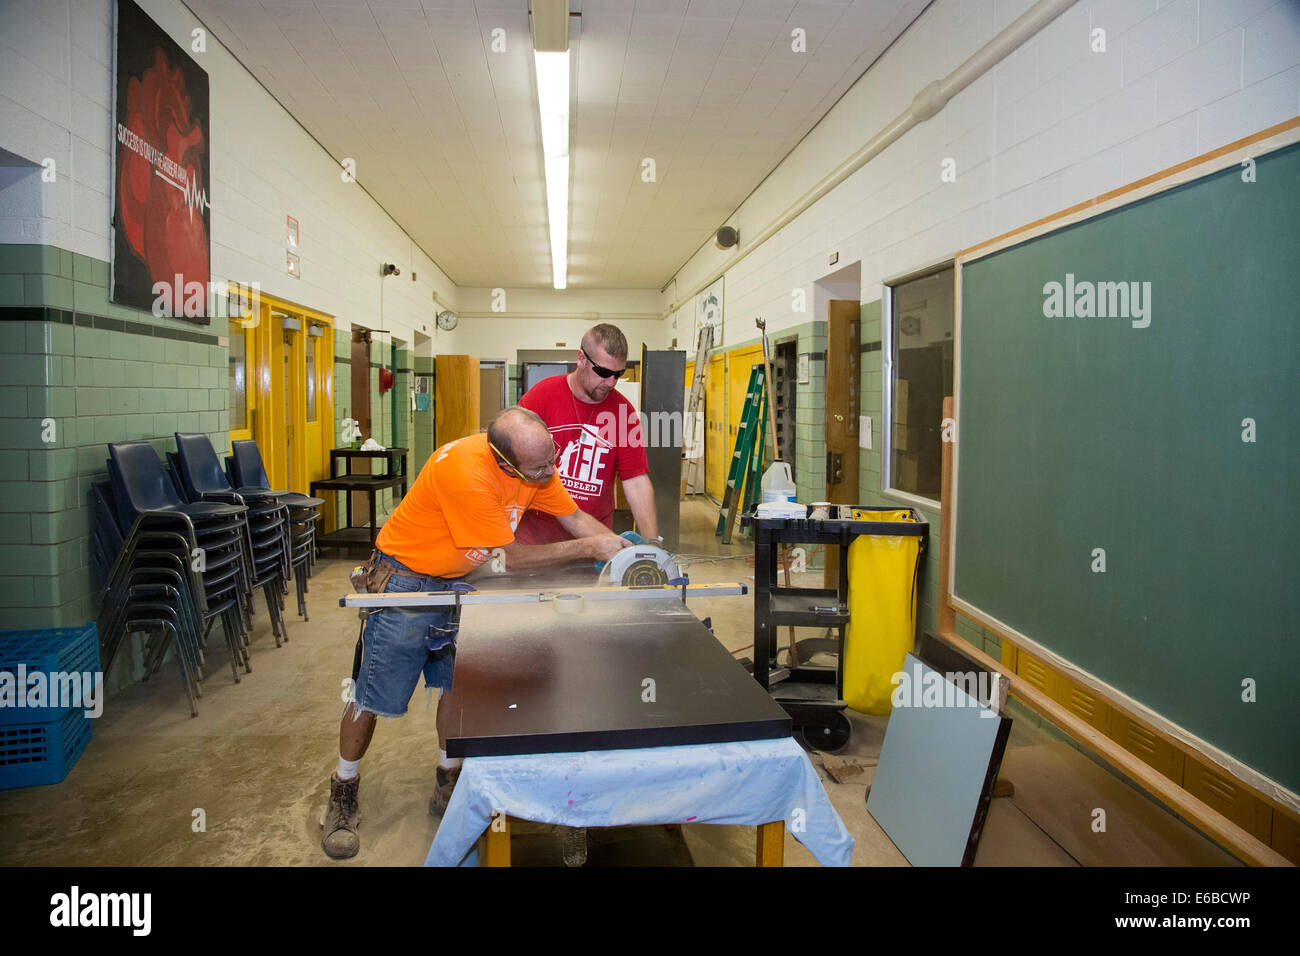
(523, 437)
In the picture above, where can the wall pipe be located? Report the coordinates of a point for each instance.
(925, 104)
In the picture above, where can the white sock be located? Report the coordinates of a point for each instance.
(347, 768)
(448, 763)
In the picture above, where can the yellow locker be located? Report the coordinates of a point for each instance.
(1214, 787)
(1286, 835)
(1082, 702)
(1139, 739)
(715, 426)
(740, 362)
(1036, 673)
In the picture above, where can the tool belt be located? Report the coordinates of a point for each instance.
(372, 576)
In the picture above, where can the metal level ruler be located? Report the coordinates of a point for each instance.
(448, 598)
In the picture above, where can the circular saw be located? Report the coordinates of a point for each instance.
(641, 566)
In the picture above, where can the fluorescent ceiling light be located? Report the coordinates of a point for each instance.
(553, 105)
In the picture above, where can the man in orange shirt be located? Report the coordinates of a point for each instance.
(466, 502)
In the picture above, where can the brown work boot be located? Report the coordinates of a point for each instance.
(442, 793)
(339, 830)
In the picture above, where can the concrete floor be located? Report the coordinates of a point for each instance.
(254, 766)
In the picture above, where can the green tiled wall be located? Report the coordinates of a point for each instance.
(808, 453)
(381, 413)
(422, 438)
(402, 407)
(78, 372)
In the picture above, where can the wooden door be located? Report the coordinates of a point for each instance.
(844, 317)
(784, 378)
(456, 390)
(492, 390)
(715, 426)
(842, 381)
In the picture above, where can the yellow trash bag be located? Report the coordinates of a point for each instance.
(882, 610)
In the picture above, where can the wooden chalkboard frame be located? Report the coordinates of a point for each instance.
(1238, 840)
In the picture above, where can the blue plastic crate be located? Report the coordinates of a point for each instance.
(64, 650)
(41, 753)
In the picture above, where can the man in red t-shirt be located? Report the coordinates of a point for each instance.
(598, 433)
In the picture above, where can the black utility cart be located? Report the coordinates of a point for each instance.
(813, 695)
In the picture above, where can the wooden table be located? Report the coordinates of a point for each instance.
(769, 849)
(530, 680)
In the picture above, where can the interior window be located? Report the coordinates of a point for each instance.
(919, 377)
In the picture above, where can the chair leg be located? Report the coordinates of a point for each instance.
(245, 645)
(232, 642)
(186, 677)
(268, 590)
(300, 584)
(244, 634)
(284, 624)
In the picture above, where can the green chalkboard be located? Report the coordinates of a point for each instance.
(1083, 433)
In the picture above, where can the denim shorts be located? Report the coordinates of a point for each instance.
(393, 651)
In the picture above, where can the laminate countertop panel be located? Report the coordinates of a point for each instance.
(530, 679)
(581, 574)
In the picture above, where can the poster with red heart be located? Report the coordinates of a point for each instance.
(161, 217)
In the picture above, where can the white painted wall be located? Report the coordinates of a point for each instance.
(55, 100)
(844, 283)
(1051, 125)
(541, 318)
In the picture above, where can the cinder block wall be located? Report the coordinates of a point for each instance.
(78, 373)
(1053, 124)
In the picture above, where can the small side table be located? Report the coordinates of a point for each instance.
(394, 476)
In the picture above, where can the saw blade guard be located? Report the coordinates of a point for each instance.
(641, 566)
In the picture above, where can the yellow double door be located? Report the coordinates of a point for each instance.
(281, 388)
(725, 383)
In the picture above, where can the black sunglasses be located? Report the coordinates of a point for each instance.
(601, 370)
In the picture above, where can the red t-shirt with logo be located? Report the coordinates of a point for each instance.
(596, 443)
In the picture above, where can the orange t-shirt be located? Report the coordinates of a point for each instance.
(462, 506)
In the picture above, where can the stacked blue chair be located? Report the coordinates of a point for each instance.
(265, 534)
(151, 587)
(179, 570)
(247, 473)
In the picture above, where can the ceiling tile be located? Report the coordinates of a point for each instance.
(446, 136)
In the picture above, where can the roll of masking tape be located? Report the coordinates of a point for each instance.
(568, 604)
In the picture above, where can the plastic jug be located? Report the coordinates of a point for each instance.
(777, 483)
